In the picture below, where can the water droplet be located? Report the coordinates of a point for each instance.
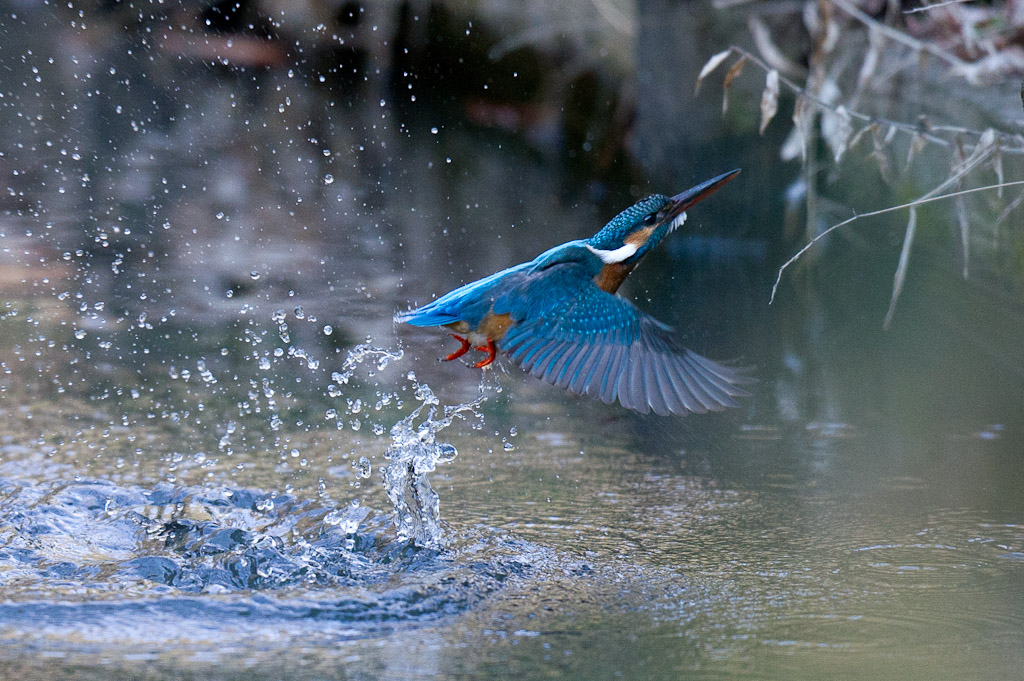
(446, 453)
(364, 468)
(254, 275)
(433, 131)
(328, 179)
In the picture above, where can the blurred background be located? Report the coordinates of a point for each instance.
(210, 212)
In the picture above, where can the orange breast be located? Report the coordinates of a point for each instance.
(611, 276)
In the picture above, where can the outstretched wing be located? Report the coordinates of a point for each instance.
(598, 344)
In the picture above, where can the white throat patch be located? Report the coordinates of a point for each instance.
(612, 257)
(677, 222)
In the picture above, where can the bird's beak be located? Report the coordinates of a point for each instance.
(680, 202)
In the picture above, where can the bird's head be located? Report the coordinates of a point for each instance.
(635, 231)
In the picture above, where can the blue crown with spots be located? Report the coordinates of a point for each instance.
(642, 214)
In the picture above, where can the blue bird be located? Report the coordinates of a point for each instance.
(558, 317)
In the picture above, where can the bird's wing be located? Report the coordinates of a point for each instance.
(572, 334)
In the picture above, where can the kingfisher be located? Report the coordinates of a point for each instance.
(560, 319)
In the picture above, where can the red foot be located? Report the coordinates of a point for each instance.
(460, 352)
(491, 351)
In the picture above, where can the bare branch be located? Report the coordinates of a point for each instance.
(925, 8)
(898, 36)
(1009, 209)
(890, 209)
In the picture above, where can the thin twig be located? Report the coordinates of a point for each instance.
(1009, 209)
(897, 36)
(925, 8)
(890, 209)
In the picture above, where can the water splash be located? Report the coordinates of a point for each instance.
(362, 352)
(414, 452)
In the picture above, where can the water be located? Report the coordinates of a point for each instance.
(413, 453)
(219, 457)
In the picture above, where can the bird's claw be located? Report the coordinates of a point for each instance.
(466, 345)
(491, 350)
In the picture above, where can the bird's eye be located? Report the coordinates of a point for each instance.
(650, 219)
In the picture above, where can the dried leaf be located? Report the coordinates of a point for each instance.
(959, 163)
(812, 18)
(821, 25)
(997, 165)
(769, 51)
(901, 269)
(993, 68)
(797, 144)
(917, 143)
(959, 155)
(965, 233)
(793, 145)
(837, 128)
(876, 43)
(734, 71)
(828, 41)
(879, 152)
(858, 136)
(986, 141)
(711, 65)
(769, 99)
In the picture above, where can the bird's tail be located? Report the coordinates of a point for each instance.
(428, 315)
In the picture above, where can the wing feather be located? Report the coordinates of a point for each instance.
(681, 385)
(610, 381)
(559, 359)
(654, 393)
(711, 383)
(636, 380)
(668, 393)
(538, 354)
(598, 344)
